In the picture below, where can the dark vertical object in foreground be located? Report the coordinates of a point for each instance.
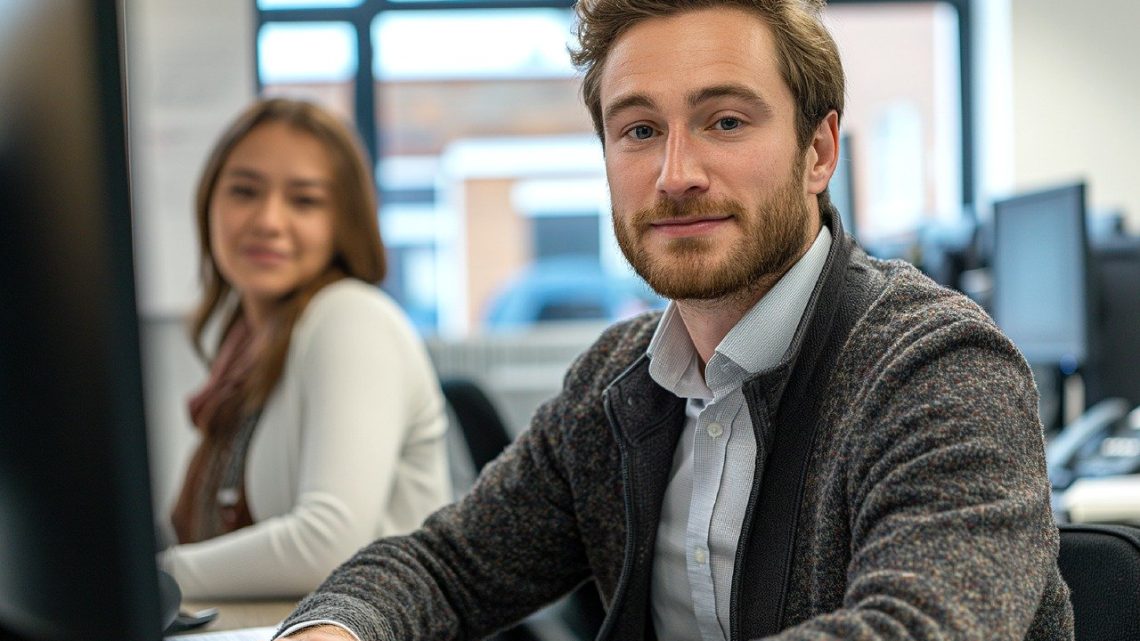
(77, 541)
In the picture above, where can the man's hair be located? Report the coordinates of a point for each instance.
(808, 57)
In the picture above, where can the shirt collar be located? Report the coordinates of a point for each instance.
(673, 360)
(757, 342)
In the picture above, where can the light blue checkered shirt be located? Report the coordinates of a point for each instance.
(713, 465)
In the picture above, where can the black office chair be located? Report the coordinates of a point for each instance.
(1101, 564)
(486, 437)
(483, 431)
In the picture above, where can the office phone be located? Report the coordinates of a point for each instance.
(1104, 441)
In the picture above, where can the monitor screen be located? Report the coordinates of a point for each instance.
(77, 540)
(1040, 268)
(1115, 352)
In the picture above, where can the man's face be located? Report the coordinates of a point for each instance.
(705, 174)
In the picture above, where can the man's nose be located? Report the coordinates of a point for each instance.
(682, 170)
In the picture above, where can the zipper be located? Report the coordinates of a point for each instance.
(745, 532)
(630, 523)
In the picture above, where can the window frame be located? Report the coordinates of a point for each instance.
(365, 87)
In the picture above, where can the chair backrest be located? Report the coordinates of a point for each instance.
(483, 429)
(1101, 564)
(580, 614)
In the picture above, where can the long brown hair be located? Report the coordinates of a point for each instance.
(357, 248)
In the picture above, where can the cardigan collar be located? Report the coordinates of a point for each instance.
(637, 403)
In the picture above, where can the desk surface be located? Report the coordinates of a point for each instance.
(233, 615)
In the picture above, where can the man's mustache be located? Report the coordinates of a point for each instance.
(666, 209)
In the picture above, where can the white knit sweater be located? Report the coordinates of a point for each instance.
(349, 447)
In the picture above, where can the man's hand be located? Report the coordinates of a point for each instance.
(320, 633)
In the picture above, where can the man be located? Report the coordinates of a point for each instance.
(808, 444)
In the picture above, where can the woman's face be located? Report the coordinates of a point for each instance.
(272, 215)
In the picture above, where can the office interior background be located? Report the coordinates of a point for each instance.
(493, 200)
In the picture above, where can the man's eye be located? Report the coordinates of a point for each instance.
(729, 123)
(641, 132)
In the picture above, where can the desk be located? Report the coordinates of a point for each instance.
(233, 615)
(544, 625)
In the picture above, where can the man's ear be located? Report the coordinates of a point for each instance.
(822, 154)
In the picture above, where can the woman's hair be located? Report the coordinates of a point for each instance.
(808, 57)
(357, 249)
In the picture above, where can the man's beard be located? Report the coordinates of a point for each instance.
(773, 239)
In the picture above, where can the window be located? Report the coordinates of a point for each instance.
(312, 60)
(491, 178)
(903, 123)
(305, 4)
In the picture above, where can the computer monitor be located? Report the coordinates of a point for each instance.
(1041, 277)
(1114, 364)
(77, 539)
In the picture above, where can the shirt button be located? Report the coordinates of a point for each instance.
(714, 430)
(700, 556)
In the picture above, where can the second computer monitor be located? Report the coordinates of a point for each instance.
(1040, 259)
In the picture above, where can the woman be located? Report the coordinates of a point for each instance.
(322, 422)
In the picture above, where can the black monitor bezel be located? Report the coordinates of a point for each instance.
(76, 518)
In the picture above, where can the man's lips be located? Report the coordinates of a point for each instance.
(688, 226)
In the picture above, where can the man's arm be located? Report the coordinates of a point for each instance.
(951, 531)
(511, 545)
(321, 633)
(505, 550)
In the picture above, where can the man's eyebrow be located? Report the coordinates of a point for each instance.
(694, 99)
(741, 92)
(628, 102)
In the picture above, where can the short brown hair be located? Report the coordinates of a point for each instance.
(809, 58)
(358, 251)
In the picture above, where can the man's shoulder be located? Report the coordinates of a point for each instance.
(909, 310)
(616, 348)
(632, 334)
(626, 340)
(905, 291)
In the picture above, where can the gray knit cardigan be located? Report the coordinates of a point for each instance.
(924, 513)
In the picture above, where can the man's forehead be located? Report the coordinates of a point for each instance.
(680, 54)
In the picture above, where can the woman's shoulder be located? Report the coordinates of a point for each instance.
(352, 295)
(353, 306)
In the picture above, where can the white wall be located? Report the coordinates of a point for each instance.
(190, 70)
(1076, 98)
(993, 97)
